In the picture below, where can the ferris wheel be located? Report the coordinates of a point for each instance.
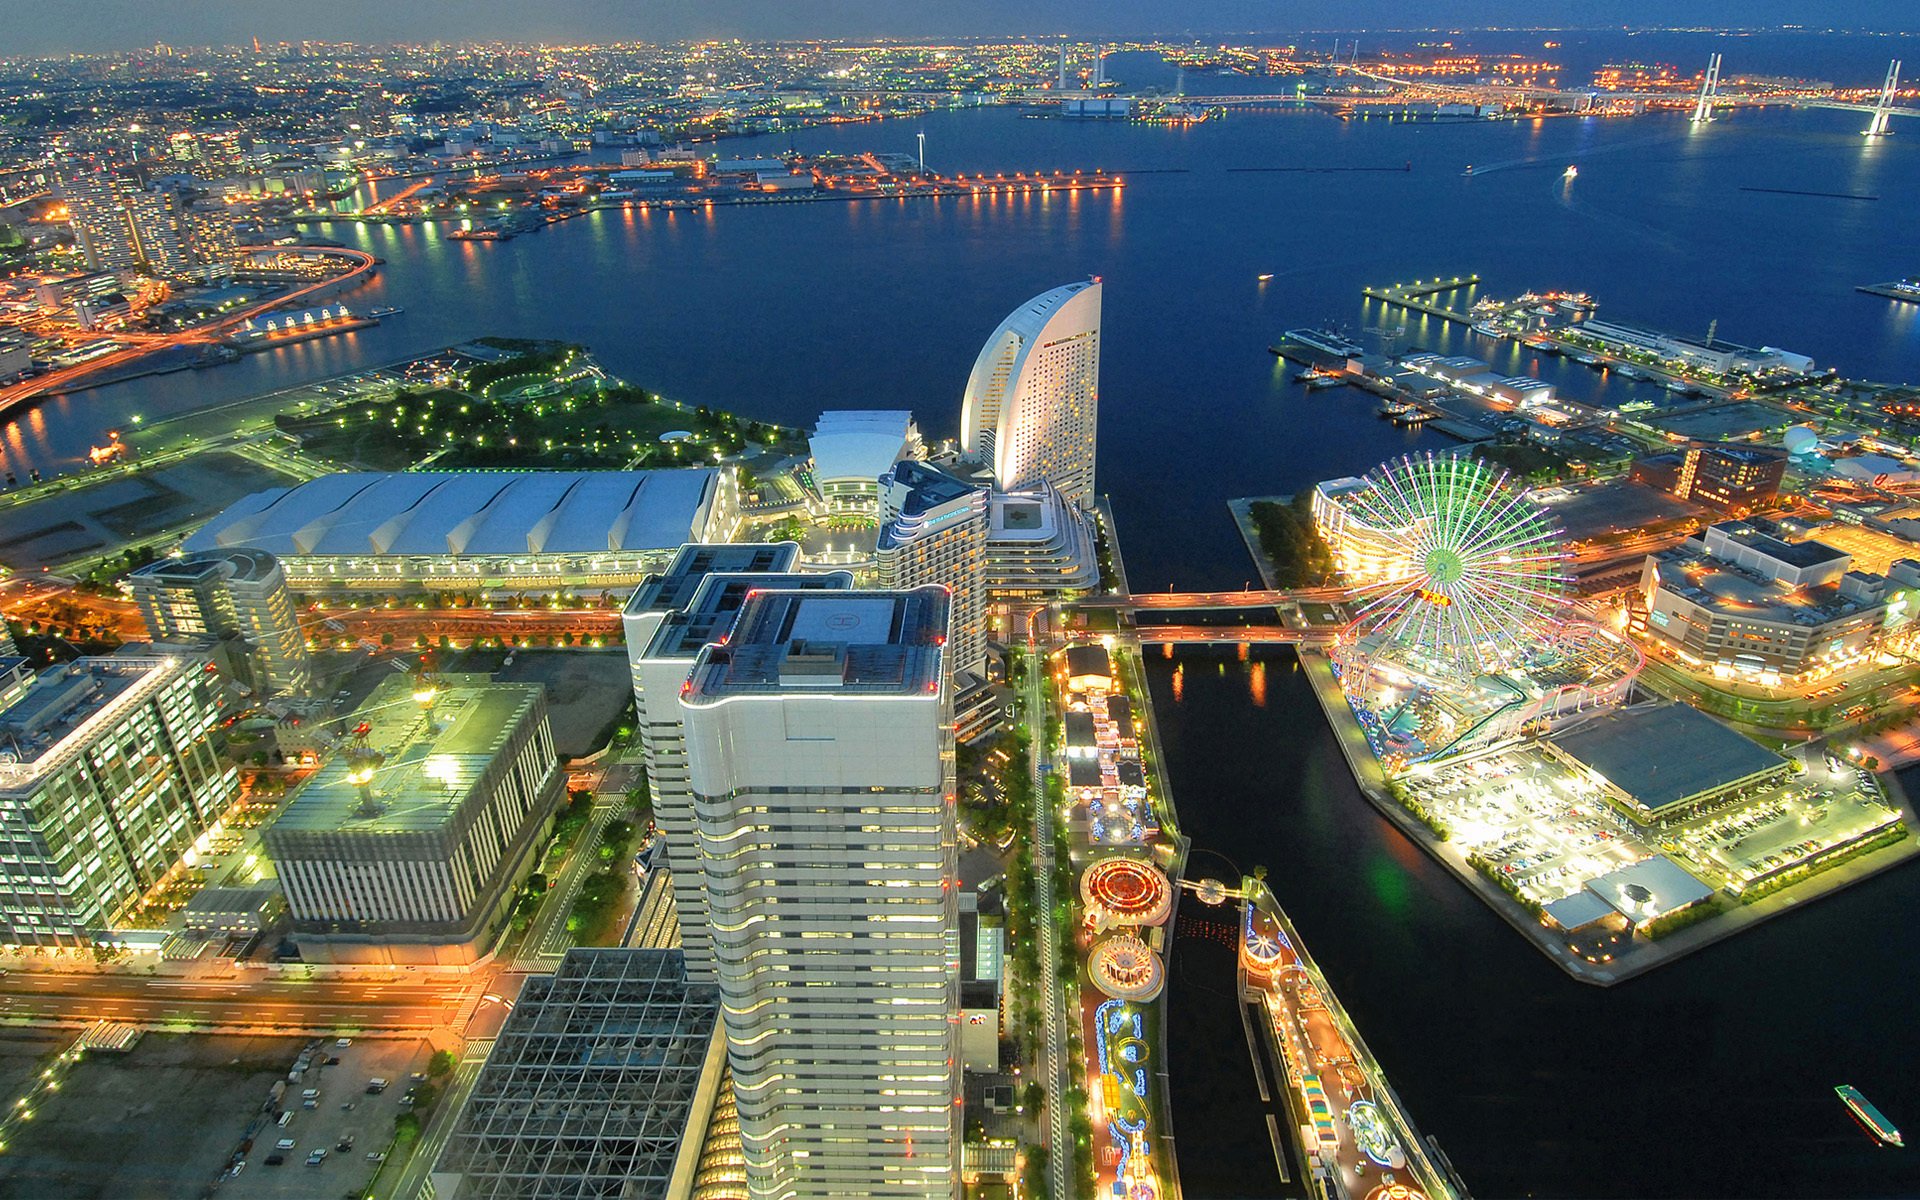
(1476, 568)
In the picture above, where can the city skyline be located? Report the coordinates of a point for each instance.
(130, 26)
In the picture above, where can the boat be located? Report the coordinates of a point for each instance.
(1264, 276)
(1586, 360)
(1875, 1121)
(1324, 381)
(1325, 342)
(1486, 329)
(1570, 173)
(1678, 388)
(390, 310)
(486, 233)
(1626, 372)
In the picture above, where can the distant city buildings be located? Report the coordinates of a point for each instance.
(122, 226)
(820, 754)
(1031, 407)
(228, 593)
(478, 530)
(602, 1082)
(1735, 478)
(667, 622)
(409, 844)
(109, 772)
(1741, 598)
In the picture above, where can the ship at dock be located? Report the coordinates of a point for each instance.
(1321, 342)
(1869, 1116)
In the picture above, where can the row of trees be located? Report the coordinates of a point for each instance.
(1299, 555)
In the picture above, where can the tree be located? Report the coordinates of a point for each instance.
(440, 1064)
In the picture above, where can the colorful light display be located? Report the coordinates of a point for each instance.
(1474, 565)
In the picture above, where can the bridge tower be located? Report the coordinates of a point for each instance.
(1063, 66)
(1709, 91)
(1882, 123)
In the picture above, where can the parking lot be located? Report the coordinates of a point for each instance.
(1549, 830)
(342, 1110)
(1545, 829)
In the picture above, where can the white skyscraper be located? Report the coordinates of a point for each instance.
(820, 754)
(1033, 400)
(668, 621)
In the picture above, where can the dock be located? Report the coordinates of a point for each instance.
(1414, 296)
(1899, 289)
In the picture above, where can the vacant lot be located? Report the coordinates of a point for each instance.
(158, 1122)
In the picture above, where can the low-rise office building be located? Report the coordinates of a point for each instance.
(110, 770)
(228, 593)
(408, 846)
(1740, 598)
(1734, 478)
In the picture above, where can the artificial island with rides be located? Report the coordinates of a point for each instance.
(1518, 731)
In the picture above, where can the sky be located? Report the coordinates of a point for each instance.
(42, 26)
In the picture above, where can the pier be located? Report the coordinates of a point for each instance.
(1414, 296)
(1899, 289)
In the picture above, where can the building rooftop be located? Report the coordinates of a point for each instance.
(591, 1086)
(1664, 754)
(430, 758)
(66, 707)
(240, 563)
(1652, 887)
(1723, 587)
(674, 588)
(1755, 536)
(469, 512)
(928, 488)
(861, 445)
(885, 642)
(1089, 660)
(715, 606)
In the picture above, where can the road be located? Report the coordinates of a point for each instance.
(548, 939)
(284, 1005)
(411, 1179)
(1254, 598)
(1251, 635)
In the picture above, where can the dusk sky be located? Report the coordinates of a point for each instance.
(35, 27)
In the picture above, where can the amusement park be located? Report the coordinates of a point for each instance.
(1127, 857)
(1513, 735)
(1353, 1134)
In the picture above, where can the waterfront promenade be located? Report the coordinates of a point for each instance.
(1354, 1131)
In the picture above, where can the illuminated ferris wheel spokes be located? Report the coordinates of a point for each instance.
(1478, 564)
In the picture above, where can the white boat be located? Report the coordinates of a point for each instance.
(1571, 173)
